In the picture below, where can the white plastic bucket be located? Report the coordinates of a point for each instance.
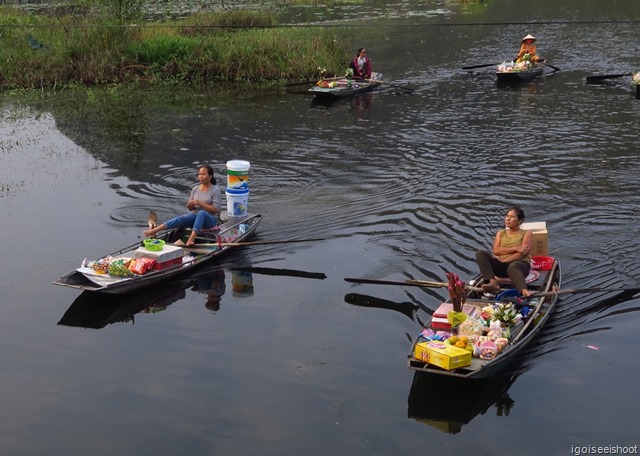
(238, 174)
(237, 202)
(242, 283)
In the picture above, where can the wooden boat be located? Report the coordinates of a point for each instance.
(342, 88)
(235, 230)
(521, 333)
(635, 83)
(510, 73)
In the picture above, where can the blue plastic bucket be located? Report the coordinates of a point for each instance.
(513, 293)
(237, 202)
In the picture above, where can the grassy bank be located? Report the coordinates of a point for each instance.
(54, 52)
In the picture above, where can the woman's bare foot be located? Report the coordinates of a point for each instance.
(526, 293)
(153, 231)
(192, 239)
(491, 287)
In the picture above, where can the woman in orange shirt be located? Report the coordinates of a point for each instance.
(528, 47)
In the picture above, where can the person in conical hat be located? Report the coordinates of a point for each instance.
(528, 48)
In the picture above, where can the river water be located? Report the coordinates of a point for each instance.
(400, 183)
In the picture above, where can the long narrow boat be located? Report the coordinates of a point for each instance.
(635, 83)
(237, 229)
(342, 88)
(508, 73)
(520, 333)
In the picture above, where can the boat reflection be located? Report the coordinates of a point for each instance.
(97, 310)
(358, 106)
(448, 403)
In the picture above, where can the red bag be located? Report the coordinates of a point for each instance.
(141, 265)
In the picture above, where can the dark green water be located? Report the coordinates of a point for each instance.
(401, 185)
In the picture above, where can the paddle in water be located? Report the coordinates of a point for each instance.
(602, 77)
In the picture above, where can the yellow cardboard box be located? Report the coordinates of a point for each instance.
(540, 245)
(442, 355)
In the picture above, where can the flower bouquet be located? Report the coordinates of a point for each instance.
(505, 313)
(458, 296)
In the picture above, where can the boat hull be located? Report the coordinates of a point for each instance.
(81, 281)
(342, 90)
(515, 77)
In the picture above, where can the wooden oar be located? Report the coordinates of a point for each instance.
(582, 290)
(152, 220)
(313, 81)
(555, 68)
(472, 67)
(224, 244)
(602, 77)
(408, 89)
(411, 283)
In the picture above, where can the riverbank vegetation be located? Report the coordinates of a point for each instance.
(107, 46)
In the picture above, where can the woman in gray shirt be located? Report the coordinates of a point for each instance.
(205, 202)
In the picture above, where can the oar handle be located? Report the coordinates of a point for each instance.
(411, 283)
(472, 67)
(290, 241)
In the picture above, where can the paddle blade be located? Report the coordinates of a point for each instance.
(152, 220)
(599, 78)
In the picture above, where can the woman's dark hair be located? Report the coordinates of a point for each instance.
(519, 212)
(210, 173)
(360, 50)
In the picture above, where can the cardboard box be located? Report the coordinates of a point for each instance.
(440, 320)
(440, 323)
(442, 355)
(540, 245)
(168, 252)
(443, 310)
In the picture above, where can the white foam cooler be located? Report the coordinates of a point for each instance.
(169, 252)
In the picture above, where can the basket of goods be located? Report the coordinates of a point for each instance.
(542, 263)
(153, 244)
(100, 267)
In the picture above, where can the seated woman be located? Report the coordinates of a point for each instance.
(361, 65)
(510, 256)
(528, 48)
(204, 203)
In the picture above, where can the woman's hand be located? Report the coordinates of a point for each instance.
(525, 249)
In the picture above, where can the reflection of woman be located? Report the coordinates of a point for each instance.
(510, 256)
(361, 65)
(214, 287)
(204, 203)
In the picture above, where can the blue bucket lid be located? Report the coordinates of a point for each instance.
(237, 191)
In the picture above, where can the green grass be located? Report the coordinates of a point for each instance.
(237, 45)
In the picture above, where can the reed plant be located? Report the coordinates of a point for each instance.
(243, 46)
